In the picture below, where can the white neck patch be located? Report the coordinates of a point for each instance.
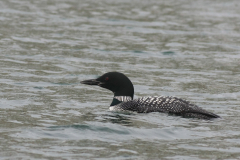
(123, 98)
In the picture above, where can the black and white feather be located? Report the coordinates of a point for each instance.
(123, 98)
(172, 105)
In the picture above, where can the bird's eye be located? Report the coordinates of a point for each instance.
(106, 78)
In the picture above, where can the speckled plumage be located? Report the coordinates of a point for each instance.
(172, 105)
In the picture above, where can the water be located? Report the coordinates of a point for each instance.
(188, 49)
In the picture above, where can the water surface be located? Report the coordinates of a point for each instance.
(188, 49)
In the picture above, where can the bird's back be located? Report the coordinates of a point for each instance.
(172, 105)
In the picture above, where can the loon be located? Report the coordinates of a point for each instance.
(123, 100)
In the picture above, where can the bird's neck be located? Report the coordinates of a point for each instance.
(119, 99)
(126, 92)
(115, 102)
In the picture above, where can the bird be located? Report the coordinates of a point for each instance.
(123, 91)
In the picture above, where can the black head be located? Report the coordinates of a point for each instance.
(116, 82)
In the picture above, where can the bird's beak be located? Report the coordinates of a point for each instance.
(91, 82)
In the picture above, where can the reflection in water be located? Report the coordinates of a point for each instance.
(118, 119)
